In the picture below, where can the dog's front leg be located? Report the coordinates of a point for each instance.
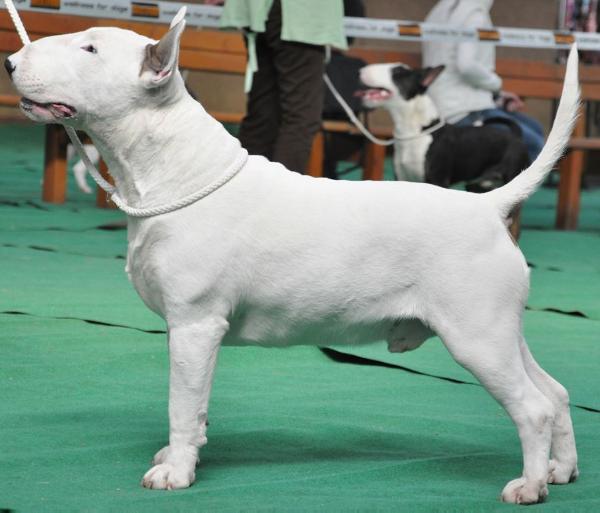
(192, 356)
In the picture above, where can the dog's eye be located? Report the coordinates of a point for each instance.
(89, 48)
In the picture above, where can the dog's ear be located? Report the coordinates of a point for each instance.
(428, 75)
(414, 82)
(160, 60)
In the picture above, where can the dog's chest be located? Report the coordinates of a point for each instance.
(410, 159)
(148, 264)
(142, 275)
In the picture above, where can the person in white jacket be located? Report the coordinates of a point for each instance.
(465, 93)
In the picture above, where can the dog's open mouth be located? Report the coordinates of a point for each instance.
(374, 94)
(55, 109)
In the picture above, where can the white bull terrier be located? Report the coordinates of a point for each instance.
(275, 258)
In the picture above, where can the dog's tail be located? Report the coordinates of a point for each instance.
(524, 185)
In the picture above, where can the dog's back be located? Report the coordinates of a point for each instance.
(482, 153)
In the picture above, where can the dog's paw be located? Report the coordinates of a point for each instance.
(165, 476)
(521, 491)
(172, 455)
(562, 473)
(161, 456)
(173, 467)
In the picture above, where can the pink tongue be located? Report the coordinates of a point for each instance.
(63, 109)
(372, 93)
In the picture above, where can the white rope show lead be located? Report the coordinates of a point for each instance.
(16, 19)
(233, 170)
(362, 129)
(111, 189)
(94, 173)
(350, 113)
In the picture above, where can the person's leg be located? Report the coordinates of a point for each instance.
(532, 123)
(533, 141)
(532, 136)
(470, 119)
(496, 113)
(300, 70)
(260, 126)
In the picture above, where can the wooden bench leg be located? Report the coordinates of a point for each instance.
(102, 199)
(374, 162)
(515, 225)
(54, 187)
(569, 189)
(317, 154)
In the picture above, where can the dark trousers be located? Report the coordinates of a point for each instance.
(285, 103)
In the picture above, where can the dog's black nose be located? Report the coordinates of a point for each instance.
(8, 66)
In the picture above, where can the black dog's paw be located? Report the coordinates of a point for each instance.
(485, 184)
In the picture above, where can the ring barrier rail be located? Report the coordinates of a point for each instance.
(209, 16)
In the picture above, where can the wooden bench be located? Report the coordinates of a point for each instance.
(224, 52)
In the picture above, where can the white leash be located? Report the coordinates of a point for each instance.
(362, 129)
(231, 171)
(111, 189)
(14, 16)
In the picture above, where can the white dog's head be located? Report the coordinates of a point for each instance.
(395, 84)
(58, 76)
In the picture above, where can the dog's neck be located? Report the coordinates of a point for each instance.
(410, 117)
(158, 156)
(409, 120)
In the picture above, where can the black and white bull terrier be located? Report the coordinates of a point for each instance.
(484, 157)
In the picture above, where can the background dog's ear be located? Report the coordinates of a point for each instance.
(160, 60)
(414, 82)
(430, 74)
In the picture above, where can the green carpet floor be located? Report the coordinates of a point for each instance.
(83, 384)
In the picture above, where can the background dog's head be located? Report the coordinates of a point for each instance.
(101, 73)
(395, 84)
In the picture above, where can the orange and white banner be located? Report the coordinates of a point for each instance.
(209, 16)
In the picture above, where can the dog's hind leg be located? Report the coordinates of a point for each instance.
(563, 465)
(192, 356)
(490, 350)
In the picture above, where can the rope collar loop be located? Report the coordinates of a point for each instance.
(232, 171)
